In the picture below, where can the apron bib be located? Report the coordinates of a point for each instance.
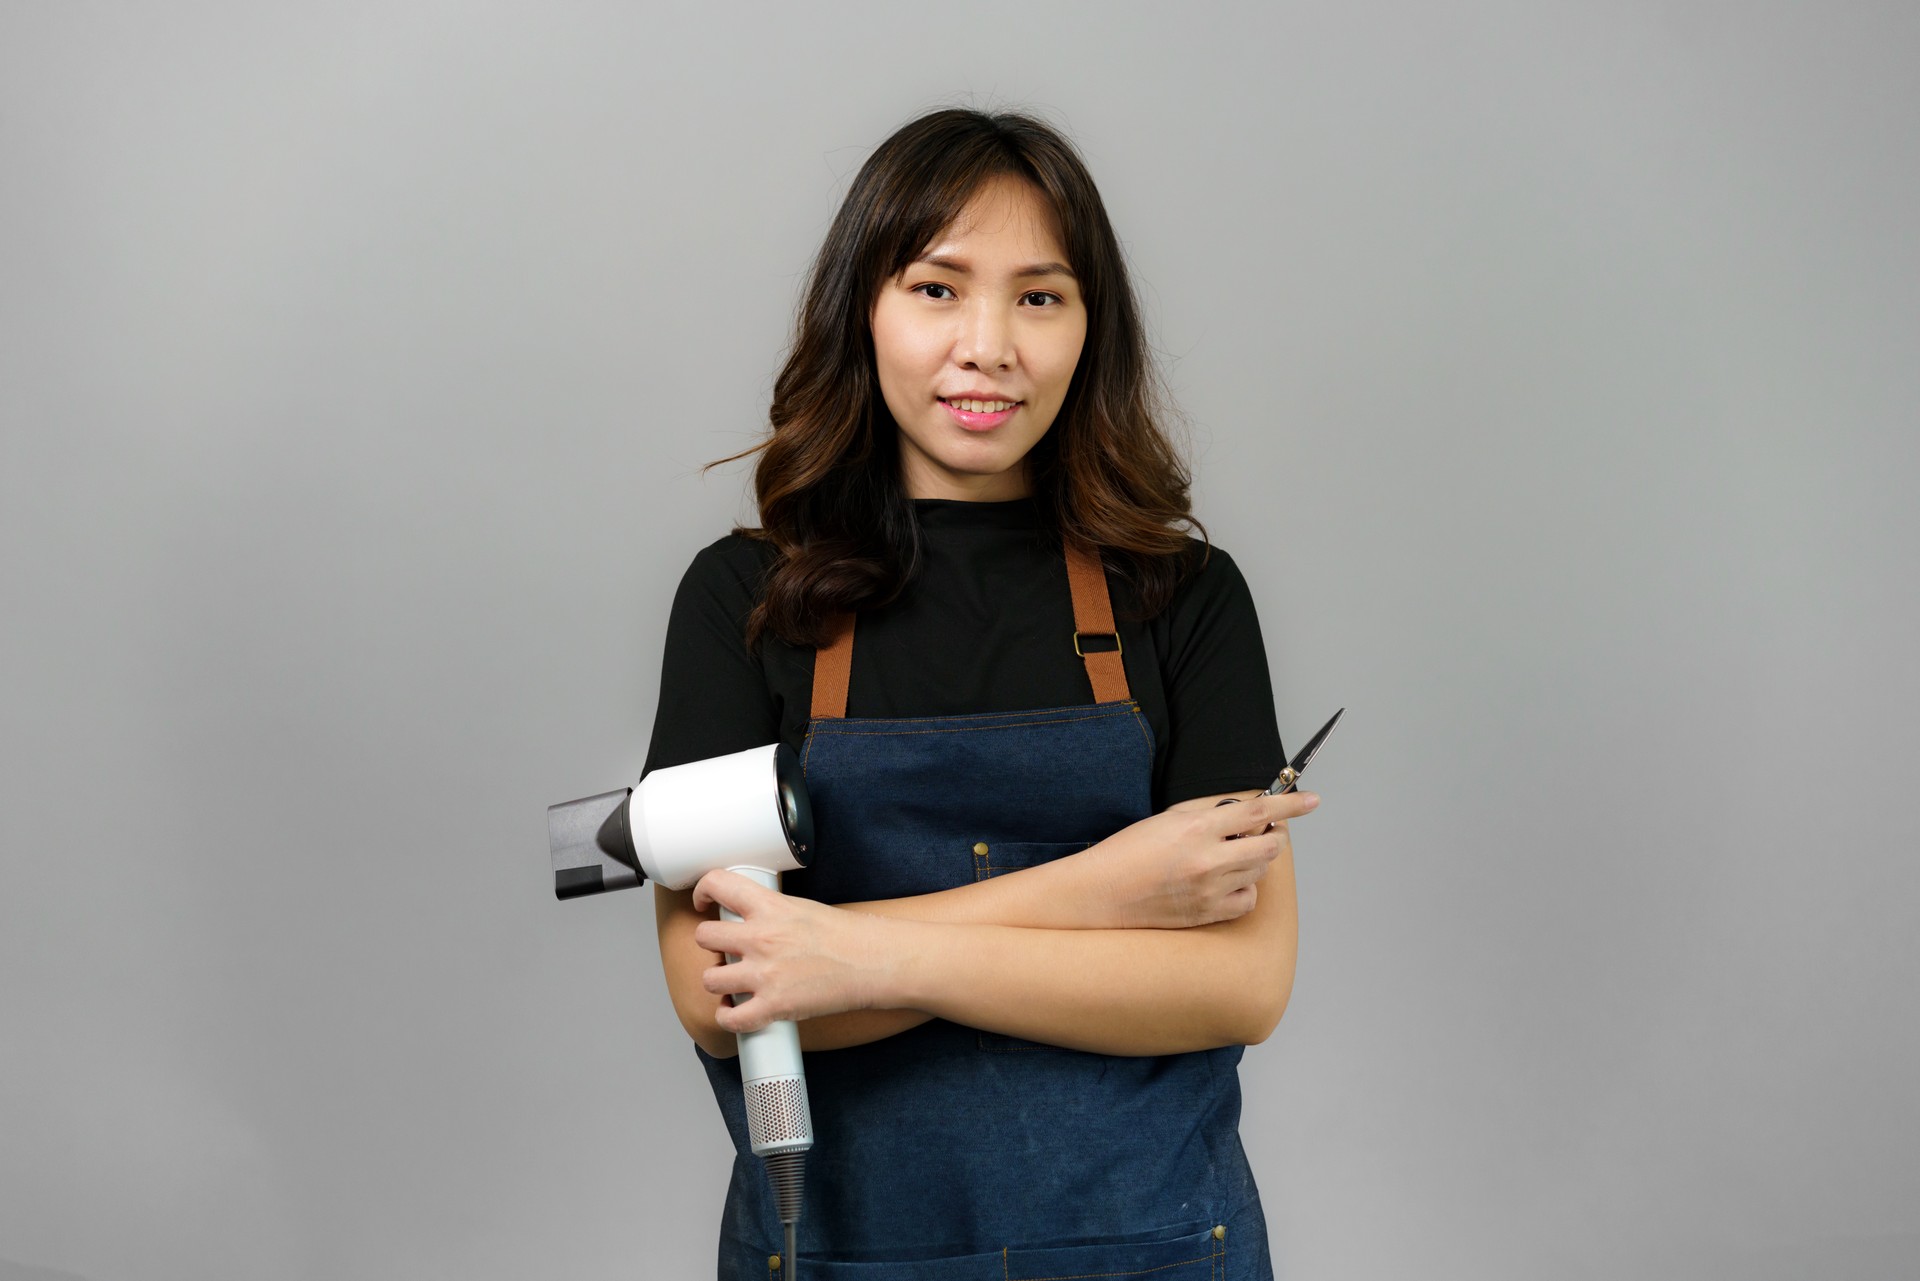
(947, 1153)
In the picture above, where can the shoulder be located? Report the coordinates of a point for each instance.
(1210, 623)
(720, 588)
(1210, 581)
(734, 554)
(730, 566)
(1209, 564)
(1206, 580)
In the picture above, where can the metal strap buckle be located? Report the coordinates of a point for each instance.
(1117, 649)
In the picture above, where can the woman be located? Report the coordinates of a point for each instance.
(1032, 943)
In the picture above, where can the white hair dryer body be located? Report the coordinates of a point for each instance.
(746, 812)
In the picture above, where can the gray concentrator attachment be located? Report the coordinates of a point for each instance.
(690, 818)
(592, 845)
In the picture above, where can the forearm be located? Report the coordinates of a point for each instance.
(1108, 991)
(1057, 895)
(1005, 912)
(683, 961)
(1036, 896)
(827, 1032)
(1015, 955)
(1224, 984)
(1073, 892)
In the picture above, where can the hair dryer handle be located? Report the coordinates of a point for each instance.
(771, 1071)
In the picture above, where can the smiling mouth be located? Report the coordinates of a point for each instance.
(975, 420)
(1005, 405)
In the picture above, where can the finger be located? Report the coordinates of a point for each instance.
(748, 1017)
(1193, 803)
(726, 980)
(1239, 903)
(1257, 827)
(1249, 870)
(1278, 809)
(751, 1015)
(730, 937)
(1258, 813)
(729, 889)
(1253, 856)
(1250, 854)
(1263, 823)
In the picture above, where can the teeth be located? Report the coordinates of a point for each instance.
(982, 406)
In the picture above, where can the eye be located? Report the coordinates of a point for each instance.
(929, 285)
(1058, 300)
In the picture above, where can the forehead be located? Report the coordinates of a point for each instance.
(1005, 208)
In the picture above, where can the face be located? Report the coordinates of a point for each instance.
(990, 311)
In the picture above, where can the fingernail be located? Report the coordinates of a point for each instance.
(1313, 799)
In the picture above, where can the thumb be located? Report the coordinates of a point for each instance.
(729, 889)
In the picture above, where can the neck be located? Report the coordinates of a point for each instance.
(997, 488)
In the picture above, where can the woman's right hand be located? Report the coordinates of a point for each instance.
(1194, 863)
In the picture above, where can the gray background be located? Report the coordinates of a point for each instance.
(1543, 367)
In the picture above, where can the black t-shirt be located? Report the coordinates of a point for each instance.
(985, 625)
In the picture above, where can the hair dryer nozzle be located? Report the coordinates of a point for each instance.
(592, 845)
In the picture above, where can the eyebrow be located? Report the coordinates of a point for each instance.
(1034, 269)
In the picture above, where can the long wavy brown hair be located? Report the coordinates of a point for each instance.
(833, 502)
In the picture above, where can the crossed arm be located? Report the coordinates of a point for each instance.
(1031, 953)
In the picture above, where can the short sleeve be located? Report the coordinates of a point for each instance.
(1224, 736)
(714, 697)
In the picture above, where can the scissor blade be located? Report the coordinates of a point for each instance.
(1299, 763)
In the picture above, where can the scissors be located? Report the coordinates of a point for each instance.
(1291, 772)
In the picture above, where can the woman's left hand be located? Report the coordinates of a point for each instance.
(799, 959)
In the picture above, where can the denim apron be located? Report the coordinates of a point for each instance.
(946, 1153)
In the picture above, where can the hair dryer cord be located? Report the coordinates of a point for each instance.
(788, 1171)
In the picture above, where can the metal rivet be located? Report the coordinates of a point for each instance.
(980, 848)
(773, 1262)
(1220, 1232)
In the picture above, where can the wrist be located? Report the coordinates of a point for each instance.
(908, 969)
(891, 950)
(1086, 895)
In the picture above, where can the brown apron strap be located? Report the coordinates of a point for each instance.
(1093, 616)
(833, 670)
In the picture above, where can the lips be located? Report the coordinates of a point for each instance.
(972, 421)
(948, 400)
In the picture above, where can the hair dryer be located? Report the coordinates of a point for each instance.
(748, 813)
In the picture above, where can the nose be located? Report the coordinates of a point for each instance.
(985, 339)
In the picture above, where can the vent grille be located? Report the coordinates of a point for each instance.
(777, 1112)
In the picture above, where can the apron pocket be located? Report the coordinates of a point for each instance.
(989, 860)
(992, 859)
(1192, 1256)
(1195, 1256)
